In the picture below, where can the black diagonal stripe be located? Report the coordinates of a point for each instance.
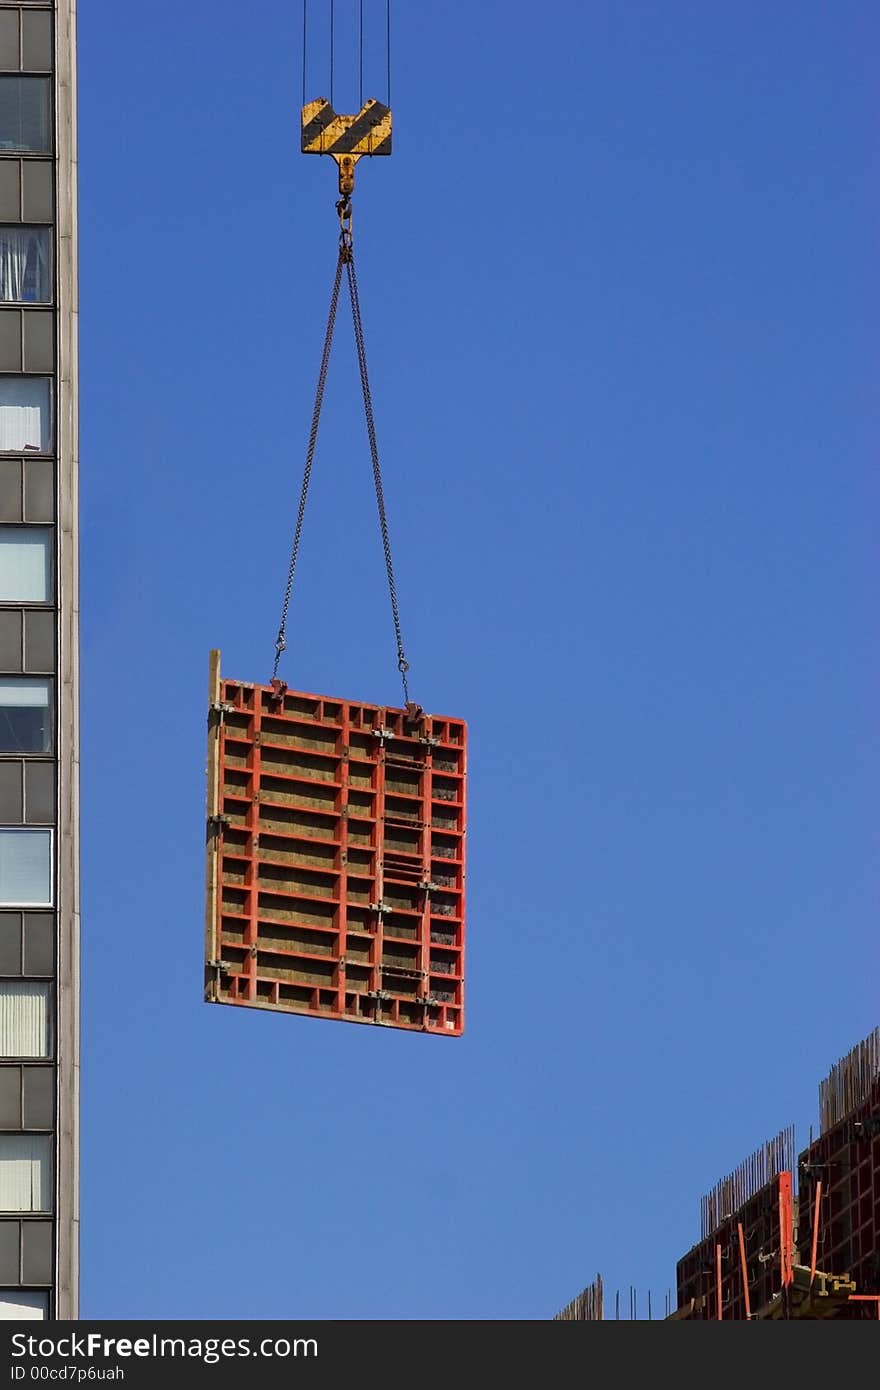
(317, 125)
(384, 148)
(365, 122)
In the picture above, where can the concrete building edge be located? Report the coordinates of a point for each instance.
(68, 848)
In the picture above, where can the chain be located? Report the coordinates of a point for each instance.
(281, 639)
(402, 663)
(346, 259)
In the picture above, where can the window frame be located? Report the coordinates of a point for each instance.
(9, 983)
(46, 1142)
(38, 1297)
(49, 378)
(17, 678)
(50, 123)
(39, 229)
(30, 905)
(32, 529)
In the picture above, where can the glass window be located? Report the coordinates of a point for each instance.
(25, 716)
(17, 1306)
(25, 1172)
(25, 868)
(25, 564)
(25, 265)
(24, 1019)
(25, 414)
(24, 114)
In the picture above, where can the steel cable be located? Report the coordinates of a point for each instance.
(281, 640)
(402, 663)
(346, 259)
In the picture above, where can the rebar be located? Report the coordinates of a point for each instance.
(849, 1082)
(587, 1307)
(731, 1193)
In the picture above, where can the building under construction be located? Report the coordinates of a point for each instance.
(782, 1238)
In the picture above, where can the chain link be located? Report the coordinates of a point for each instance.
(346, 259)
(402, 663)
(281, 639)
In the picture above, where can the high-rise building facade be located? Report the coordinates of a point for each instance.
(39, 754)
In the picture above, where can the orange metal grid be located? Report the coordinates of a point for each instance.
(336, 864)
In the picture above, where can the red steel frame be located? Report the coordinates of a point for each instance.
(786, 1229)
(839, 1182)
(741, 1240)
(867, 1298)
(814, 1248)
(336, 857)
(742, 1264)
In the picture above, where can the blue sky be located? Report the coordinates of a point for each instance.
(619, 283)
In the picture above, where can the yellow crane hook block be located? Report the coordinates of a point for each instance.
(346, 138)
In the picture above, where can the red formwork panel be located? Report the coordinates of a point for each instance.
(336, 857)
(845, 1160)
(697, 1272)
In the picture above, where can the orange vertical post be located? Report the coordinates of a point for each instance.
(786, 1229)
(745, 1270)
(814, 1249)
